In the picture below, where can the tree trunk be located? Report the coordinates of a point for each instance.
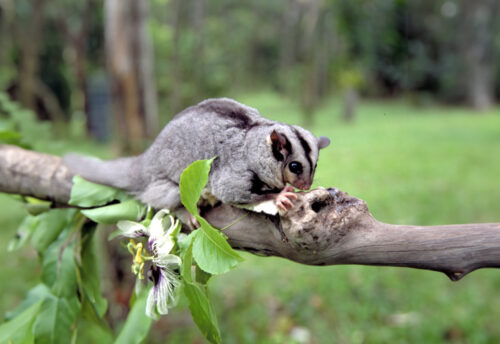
(309, 90)
(175, 95)
(29, 38)
(326, 37)
(146, 71)
(290, 20)
(350, 103)
(477, 50)
(7, 16)
(78, 44)
(197, 23)
(130, 69)
(325, 226)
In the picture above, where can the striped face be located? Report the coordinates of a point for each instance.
(297, 149)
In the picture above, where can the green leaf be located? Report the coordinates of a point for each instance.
(24, 233)
(88, 194)
(185, 242)
(8, 135)
(90, 276)
(61, 306)
(193, 180)
(59, 269)
(129, 210)
(19, 329)
(91, 321)
(202, 312)
(37, 208)
(36, 294)
(202, 276)
(176, 230)
(74, 336)
(92, 326)
(90, 331)
(54, 324)
(211, 250)
(187, 261)
(50, 226)
(12, 138)
(137, 325)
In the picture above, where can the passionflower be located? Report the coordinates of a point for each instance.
(160, 234)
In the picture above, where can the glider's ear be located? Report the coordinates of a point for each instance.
(323, 142)
(279, 144)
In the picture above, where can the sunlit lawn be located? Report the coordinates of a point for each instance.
(424, 166)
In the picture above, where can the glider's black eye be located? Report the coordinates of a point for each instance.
(295, 167)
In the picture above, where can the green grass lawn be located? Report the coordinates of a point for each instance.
(425, 166)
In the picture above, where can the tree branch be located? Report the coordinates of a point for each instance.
(34, 174)
(325, 226)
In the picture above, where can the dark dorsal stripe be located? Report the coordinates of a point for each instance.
(231, 111)
(306, 147)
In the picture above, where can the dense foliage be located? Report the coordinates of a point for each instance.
(68, 303)
(304, 49)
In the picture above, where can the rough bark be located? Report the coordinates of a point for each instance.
(34, 174)
(325, 226)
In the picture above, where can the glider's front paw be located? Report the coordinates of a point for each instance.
(284, 199)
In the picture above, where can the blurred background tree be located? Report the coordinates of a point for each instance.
(52, 56)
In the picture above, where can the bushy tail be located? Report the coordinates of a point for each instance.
(123, 173)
